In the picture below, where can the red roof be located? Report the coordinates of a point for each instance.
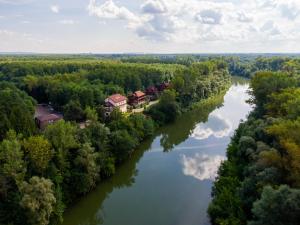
(139, 94)
(117, 98)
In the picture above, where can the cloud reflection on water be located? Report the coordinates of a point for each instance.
(201, 166)
(217, 126)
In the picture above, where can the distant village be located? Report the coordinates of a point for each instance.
(45, 114)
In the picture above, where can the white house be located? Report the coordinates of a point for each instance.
(117, 101)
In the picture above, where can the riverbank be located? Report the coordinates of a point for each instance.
(156, 179)
(259, 182)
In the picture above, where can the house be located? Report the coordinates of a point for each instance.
(116, 101)
(45, 115)
(152, 93)
(163, 86)
(137, 98)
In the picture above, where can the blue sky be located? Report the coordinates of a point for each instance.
(149, 26)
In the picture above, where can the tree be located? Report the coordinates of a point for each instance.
(39, 152)
(265, 83)
(38, 200)
(87, 168)
(91, 114)
(122, 144)
(12, 173)
(73, 111)
(62, 136)
(277, 207)
(11, 157)
(16, 110)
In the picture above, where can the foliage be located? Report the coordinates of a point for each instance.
(38, 200)
(16, 110)
(43, 171)
(263, 158)
(39, 152)
(280, 207)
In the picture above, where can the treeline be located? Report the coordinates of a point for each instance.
(72, 85)
(247, 67)
(42, 172)
(197, 82)
(259, 184)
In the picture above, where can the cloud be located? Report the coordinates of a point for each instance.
(153, 7)
(244, 18)
(290, 10)
(217, 126)
(55, 8)
(201, 167)
(209, 16)
(206, 22)
(109, 10)
(270, 28)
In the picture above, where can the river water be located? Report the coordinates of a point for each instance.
(168, 180)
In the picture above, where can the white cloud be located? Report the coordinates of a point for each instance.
(154, 6)
(209, 16)
(67, 22)
(217, 127)
(201, 167)
(244, 18)
(55, 8)
(109, 10)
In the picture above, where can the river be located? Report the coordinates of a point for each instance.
(168, 180)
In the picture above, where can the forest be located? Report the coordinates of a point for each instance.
(259, 182)
(43, 171)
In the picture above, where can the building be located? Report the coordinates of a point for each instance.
(152, 93)
(137, 98)
(163, 86)
(45, 115)
(117, 101)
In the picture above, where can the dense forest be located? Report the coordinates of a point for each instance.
(43, 171)
(259, 183)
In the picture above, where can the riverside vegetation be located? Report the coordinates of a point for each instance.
(43, 172)
(259, 183)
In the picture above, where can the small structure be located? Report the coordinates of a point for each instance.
(137, 98)
(163, 86)
(116, 101)
(45, 115)
(152, 93)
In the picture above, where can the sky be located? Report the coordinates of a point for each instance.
(150, 26)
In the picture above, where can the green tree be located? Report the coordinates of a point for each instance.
(87, 167)
(91, 114)
(73, 111)
(39, 152)
(11, 157)
(277, 207)
(16, 110)
(122, 144)
(38, 200)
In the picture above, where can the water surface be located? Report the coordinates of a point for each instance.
(169, 178)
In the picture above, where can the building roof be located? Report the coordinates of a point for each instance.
(117, 98)
(49, 117)
(139, 94)
(44, 112)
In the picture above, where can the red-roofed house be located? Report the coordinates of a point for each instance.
(137, 98)
(117, 101)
